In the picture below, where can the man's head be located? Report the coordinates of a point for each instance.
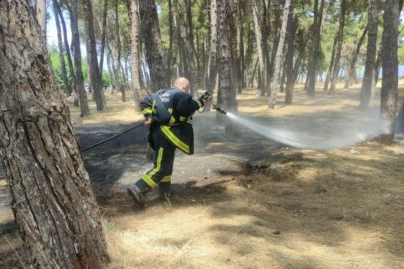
(182, 84)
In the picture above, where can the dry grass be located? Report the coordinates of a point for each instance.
(116, 112)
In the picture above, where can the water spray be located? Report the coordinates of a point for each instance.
(320, 133)
(324, 134)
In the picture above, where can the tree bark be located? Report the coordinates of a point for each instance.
(135, 53)
(66, 86)
(68, 54)
(103, 36)
(389, 92)
(279, 54)
(212, 62)
(312, 68)
(340, 37)
(331, 66)
(240, 48)
(289, 58)
(118, 48)
(171, 39)
(352, 66)
(369, 79)
(227, 93)
(152, 40)
(94, 71)
(260, 36)
(51, 196)
(191, 51)
(74, 26)
(41, 16)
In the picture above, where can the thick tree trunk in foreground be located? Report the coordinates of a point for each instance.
(388, 103)
(84, 109)
(95, 79)
(51, 195)
(279, 55)
(369, 79)
(152, 40)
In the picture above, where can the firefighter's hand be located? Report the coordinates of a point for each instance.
(147, 122)
(206, 97)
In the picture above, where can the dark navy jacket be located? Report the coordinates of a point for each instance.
(170, 111)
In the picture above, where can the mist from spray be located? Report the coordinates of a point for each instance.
(315, 133)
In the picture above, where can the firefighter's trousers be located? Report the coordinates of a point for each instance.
(160, 175)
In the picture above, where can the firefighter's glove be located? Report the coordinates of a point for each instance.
(206, 97)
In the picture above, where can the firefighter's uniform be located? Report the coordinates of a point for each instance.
(170, 112)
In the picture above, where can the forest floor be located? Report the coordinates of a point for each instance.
(245, 201)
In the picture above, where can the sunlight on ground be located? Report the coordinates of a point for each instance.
(116, 112)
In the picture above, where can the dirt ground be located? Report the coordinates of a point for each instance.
(245, 201)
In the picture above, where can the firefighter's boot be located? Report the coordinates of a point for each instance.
(137, 192)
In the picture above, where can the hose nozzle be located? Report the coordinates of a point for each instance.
(219, 109)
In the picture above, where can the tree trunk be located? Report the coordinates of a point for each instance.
(261, 46)
(51, 196)
(240, 48)
(336, 68)
(212, 62)
(171, 39)
(66, 86)
(118, 48)
(191, 51)
(68, 54)
(289, 58)
(135, 53)
(111, 70)
(74, 26)
(298, 64)
(352, 66)
(388, 104)
(274, 29)
(227, 93)
(152, 40)
(103, 36)
(312, 68)
(279, 54)
(41, 16)
(369, 80)
(95, 79)
(331, 66)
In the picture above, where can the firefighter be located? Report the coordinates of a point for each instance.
(168, 113)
